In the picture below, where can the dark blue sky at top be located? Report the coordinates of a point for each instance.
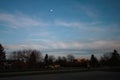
(60, 24)
(71, 8)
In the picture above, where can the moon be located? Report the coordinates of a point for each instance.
(51, 10)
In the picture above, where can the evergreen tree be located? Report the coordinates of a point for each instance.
(2, 53)
(46, 59)
(93, 61)
(115, 59)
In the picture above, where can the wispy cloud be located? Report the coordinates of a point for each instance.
(22, 46)
(67, 24)
(24, 21)
(102, 44)
(48, 44)
(19, 20)
(89, 11)
(83, 26)
(45, 33)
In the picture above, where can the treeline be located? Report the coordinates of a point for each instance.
(34, 60)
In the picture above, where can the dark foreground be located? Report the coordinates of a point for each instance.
(93, 75)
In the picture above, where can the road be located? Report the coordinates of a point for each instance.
(93, 75)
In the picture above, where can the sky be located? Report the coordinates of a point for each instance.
(60, 24)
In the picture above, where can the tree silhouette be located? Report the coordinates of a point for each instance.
(2, 53)
(104, 61)
(62, 61)
(46, 60)
(59, 60)
(93, 61)
(70, 58)
(51, 59)
(84, 62)
(30, 58)
(115, 59)
(110, 59)
(1, 48)
(2, 57)
(33, 59)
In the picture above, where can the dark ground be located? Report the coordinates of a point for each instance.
(91, 75)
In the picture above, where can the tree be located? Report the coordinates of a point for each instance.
(62, 61)
(115, 59)
(2, 53)
(30, 57)
(84, 62)
(110, 59)
(93, 61)
(2, 57)
(51, 59)
(59, 60)
(1, 48)
(46, 59)
(70, 58)
(104, 61)
(33, 59)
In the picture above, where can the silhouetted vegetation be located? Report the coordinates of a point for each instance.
(93, 61)
(2, 57)
(2, 53)
(34, 60)
(110, 59)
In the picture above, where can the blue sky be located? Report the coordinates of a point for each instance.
(60, 24)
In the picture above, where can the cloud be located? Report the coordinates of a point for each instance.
(90, 11)
(44, 33)
(96, 27)
(82, 26)
(43, 44)
(65, 45)
(24, 21)
(103, 44)
(19, 20)
(67, 24)
(22, 46)
(79, 27)
(48, 44)
(5, 31)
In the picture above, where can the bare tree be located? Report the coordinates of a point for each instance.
(51, 59)
(70, 58)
